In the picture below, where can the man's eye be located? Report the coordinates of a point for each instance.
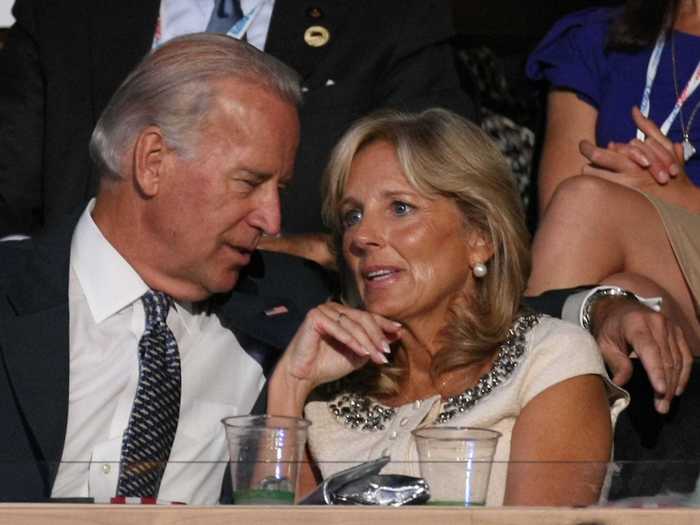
(351, 218)
(249, 182)
(401, 208)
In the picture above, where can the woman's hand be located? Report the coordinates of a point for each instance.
(656, 156)
(333, 341)
(655, 166)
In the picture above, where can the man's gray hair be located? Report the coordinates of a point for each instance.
(172, 88)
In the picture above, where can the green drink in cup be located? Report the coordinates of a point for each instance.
(265, 453)
(456, 463)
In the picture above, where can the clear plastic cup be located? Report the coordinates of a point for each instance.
(456, 463)
(265, 454)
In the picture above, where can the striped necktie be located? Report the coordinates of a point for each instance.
(151, 431)
(224, 15)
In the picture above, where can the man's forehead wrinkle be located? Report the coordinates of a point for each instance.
(229, 111)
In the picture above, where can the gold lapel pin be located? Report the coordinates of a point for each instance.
(314, 12)
(317, 36)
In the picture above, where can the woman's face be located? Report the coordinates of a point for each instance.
(410, 254)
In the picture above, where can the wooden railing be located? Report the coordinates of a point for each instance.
(17, 514)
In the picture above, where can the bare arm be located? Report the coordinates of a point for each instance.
(333, 341)
(569, 121)
(561, 443)
(313, 246)
(307, 478)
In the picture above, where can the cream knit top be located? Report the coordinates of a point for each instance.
(555, 351)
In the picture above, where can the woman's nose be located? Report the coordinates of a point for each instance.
(367, 234)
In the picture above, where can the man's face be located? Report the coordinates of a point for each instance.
(213, 206)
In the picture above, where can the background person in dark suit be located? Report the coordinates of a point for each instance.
(62, 62)
(192, 151)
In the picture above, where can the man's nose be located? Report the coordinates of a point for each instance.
(267, 215)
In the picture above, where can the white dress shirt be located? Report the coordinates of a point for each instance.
(106, 322)
(180, 17)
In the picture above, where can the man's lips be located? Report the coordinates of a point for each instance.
(244, 252)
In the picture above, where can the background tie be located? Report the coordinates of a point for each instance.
(153, 421)
(224, 15)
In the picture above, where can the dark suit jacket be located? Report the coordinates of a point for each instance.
(63, 61)
(34, 333)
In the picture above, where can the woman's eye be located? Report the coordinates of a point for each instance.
(401, 208)
(351, 217)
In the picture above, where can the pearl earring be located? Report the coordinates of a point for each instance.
(479, 270)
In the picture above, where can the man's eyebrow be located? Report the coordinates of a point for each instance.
(258, 176)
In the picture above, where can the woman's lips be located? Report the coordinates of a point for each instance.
(376, 276)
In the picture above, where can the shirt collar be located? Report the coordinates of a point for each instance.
(106, 278)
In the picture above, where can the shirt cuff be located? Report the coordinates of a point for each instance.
(576, 303)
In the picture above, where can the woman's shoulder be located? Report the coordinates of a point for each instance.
(588, 24)
(573, 49)
(551, 327)
(558, 348)
(590, 19)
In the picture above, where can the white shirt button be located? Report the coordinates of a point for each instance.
(416, 404)
(403, 422)
(106, 468)
(393, 435)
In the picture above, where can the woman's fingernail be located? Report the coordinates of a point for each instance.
(645, 162)
(385, 347)
(663, 176)
(674, 169)
(662, 406)
(383, 358)
(397, 324)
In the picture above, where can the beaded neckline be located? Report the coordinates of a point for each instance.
(363, 413)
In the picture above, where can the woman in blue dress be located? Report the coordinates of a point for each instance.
(619, 195)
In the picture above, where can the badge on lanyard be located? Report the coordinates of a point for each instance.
(690, 87)
(240, 28)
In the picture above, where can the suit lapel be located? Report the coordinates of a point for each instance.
(35, 346)
(270, 320)
(290, 20)
(36, 351)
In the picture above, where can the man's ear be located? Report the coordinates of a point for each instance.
(149, 154)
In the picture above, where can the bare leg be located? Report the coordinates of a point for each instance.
(594, 230)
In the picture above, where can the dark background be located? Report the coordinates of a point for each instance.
(505, 25)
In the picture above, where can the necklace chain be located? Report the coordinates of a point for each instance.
(685, 130)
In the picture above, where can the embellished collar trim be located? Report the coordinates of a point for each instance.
(363, 413)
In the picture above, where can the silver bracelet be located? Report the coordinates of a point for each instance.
(600, 293)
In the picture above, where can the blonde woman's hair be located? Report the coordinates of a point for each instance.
(442, 154)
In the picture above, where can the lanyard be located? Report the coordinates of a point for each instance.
(237, 31)
(652, 68)
(241, 27)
